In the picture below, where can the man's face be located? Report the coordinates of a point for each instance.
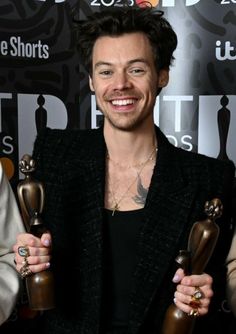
(125, 80)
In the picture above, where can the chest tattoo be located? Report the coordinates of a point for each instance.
(140, 197)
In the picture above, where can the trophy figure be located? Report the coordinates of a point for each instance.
(201, 244)
(40, 286)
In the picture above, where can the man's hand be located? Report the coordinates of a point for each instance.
(32, 254)
(193, 293)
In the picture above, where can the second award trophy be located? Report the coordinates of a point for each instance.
(40, 286)
(201, 244)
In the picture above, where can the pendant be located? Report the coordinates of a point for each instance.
(115, 208)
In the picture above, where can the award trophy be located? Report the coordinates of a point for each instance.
(39, 286)
(201, 244)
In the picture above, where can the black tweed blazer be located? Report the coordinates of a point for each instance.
(71, 163)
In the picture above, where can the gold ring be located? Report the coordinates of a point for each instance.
(195, 303)
(194, 313)
(198, 294)
(196, 298)
(23, 251)
(25, 271)
(25, 262)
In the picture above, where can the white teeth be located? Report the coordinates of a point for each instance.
(122, 102)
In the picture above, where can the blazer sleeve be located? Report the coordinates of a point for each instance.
(10, 225)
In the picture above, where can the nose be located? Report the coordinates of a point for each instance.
(121, 81)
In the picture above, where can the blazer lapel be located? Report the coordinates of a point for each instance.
(88, 179)
(166, 219)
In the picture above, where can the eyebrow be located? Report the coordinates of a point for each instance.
(130, 62)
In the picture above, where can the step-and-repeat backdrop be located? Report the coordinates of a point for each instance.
(43, 84)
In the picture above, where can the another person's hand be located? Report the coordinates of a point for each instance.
(193, 293)
(32, 254)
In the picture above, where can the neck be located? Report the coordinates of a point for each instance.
(129, 147)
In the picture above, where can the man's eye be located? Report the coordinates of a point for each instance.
(137, 71)
(105, 73)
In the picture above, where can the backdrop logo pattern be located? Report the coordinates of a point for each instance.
(56, 1)
(228, 2)
(40, 111)
(167, 3)
(16, 47)
(217, 123)
(37, 57)
(141, 3)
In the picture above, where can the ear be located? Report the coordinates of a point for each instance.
(91, 83)
(163, 78)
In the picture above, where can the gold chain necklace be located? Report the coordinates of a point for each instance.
(116, 203)
(138, 164)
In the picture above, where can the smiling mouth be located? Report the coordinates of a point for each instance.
(124, 102)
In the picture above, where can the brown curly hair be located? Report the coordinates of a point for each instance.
(119, 21)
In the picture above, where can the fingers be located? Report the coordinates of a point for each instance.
(34, 268)
(46, 239)
(179, 275)
(184, 302)
(31, 240)
(197, 280)
(32, 254)
(194, 293)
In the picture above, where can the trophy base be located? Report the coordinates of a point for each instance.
(40, 291)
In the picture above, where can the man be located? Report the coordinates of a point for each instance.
(231, 266)
(121, 200)
(10, 225)
(231, 275)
